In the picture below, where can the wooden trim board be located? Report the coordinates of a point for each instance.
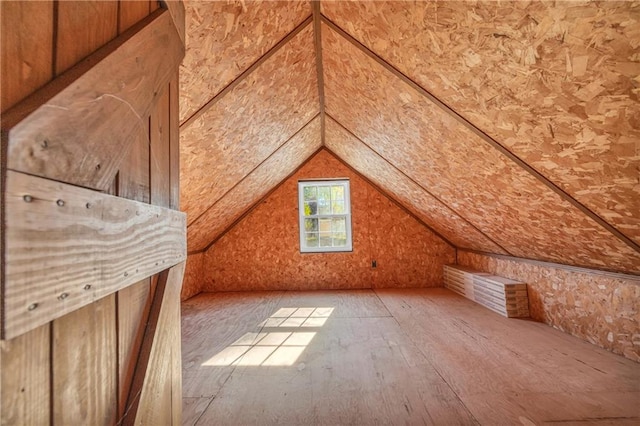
(66, 247)
(78, 128)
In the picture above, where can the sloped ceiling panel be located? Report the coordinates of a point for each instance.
(408, 193)
(477, 181)
(248, 124)
(274, 170)
(554, 82)
(225, 38)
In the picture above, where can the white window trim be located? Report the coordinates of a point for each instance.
(347, 201)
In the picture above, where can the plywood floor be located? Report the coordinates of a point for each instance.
(391, 357)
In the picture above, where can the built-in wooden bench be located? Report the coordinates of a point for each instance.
(502, 295)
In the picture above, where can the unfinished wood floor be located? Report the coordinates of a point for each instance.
(390, 357)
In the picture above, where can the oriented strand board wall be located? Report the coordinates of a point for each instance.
(202, 232)
(238, 34)
(262, 251)
(193, 276)
(78, 369)
(414, 197)
(554, 82)
(597, 307)
(245, 126)
(481, 184)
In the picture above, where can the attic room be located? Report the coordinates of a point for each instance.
(320, 212)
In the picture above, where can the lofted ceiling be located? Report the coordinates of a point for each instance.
(508, 127)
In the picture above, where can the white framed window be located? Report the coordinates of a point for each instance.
(325, 216)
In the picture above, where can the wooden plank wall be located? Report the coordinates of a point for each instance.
(79, 368)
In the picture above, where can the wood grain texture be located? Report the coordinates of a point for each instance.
(248, 124)
(85, 365)
(131, 12)
(499, 198)
(600, 309)
(83, 26)
(176, 9)
(159, 139)
(407, 192)
(62, 255)
(509, 371)
(255, 186)
(262, 251)
(161, 382)
(174, 143)
(239, 33)
(25, 389)
(25, 49)
(397, 356)
(133, 302)
(554, 83)
(59, 132)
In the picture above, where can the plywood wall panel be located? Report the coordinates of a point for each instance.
(225, 38)
(599, 308)
(159, 133)
(26, 41)
(83, 26)
(193, 276)
(426, 207)
(262, 251)
(553, 82)
(85, 365)
(130, 12)
(254, 187)
(501, 199)
(25, 387)
(248, 124)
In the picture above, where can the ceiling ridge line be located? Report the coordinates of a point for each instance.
(392, 199)
(419, 185)
(304, 126)
(484, 136)
(317, 35)
(257, 203)
(239, 79)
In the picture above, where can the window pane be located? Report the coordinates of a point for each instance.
(311, 239)
(337, 206)
(325, 225)
(310, 192)
(339, 240)
(311, 225)
(324, 200)
(338, 224)
(325, 239)
(310, 208)
(337, 192)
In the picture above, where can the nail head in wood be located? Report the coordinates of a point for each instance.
(27, 198)
(60, 203)
(88, 205)
(32, 306)
(63, 296)
(45, 144)
(87, 287)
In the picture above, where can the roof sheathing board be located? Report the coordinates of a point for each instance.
(409, 194)
(555, 83)
(505, 202)
(225, 38)
(248, 124)
(254, 187)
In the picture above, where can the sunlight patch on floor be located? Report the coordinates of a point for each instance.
(277, 347)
